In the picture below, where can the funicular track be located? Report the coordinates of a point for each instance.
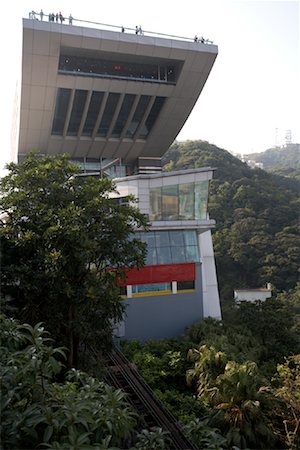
(123, 375)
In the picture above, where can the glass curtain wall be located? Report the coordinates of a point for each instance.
(179, 202)
(170, 247)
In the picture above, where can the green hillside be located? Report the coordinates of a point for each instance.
(256, 239)
(281, 160)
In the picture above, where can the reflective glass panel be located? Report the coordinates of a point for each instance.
(123, 115)
(61, 108)
(191, 253)
(138, 115)
(93, 111)
(155, 287)
(185, 285)
(176, 238)
(116, 68)
(178, 255)
(151, 119)
(77, 111)
(201, 198)
(151, 259)
(108, 114)
(155, 204)
(190, 237)
(170, 202)
(162, 239)
(186, 201)
(149, 238)
(164, 255)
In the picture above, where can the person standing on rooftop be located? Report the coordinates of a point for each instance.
(70, 19)
(41, 14)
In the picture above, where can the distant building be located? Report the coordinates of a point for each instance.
(115, 102)
(251, 295)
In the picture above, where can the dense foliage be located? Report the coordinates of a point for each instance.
(43, 407)
(257, 237)
(237, 378)
(60, 235)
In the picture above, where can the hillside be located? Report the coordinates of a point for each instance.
(281, 160)
(256, 238)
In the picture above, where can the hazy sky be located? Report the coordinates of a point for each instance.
(252, 91)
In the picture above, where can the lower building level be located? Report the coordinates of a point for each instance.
(178, 284)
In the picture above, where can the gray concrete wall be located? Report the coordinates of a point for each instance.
(165, 316)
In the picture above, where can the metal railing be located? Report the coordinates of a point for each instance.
(59, 18)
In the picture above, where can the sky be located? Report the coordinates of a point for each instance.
(252, 95)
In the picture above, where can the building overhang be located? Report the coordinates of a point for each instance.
(165, 103)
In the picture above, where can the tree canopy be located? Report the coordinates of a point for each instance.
(61, 234)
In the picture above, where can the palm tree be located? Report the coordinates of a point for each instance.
(235, 394)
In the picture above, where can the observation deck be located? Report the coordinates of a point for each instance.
(97, 93)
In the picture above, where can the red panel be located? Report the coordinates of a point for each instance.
(161, 274)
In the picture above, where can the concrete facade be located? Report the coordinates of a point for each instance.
(122, 98)
(45, 42)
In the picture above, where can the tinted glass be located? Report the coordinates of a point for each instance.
(123, 115)
(138, 115)
(186, 201)
(108, 114)
(77, 111)
(155, 204)
(93, 111)
(153, 115)
(201, 198)
(61, 108)
(170, 202)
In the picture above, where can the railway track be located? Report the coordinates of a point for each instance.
(123, 375)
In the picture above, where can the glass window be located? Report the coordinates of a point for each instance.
(77, 111)
(83, 65)
(170, 247)
(186, 201)
(164, 255)
(151, 119)
(162, 239)
(149, 238)
(170, 202)
(190, 237)
(178, 255)
(138, 115)
(191, 253)
(176, 238)
(185, 285)
(61, 108)
(201, 198)
(93, 111)
(155, 204)
(151, 259)
(108, 114)
(155, 287)
(123, 115)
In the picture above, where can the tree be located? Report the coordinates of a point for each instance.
(36, 410)
(61, 236)
(289, 392)
(235, 395)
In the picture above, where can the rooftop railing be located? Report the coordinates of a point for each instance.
(60, 18)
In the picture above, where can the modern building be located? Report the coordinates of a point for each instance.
(115, 101)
